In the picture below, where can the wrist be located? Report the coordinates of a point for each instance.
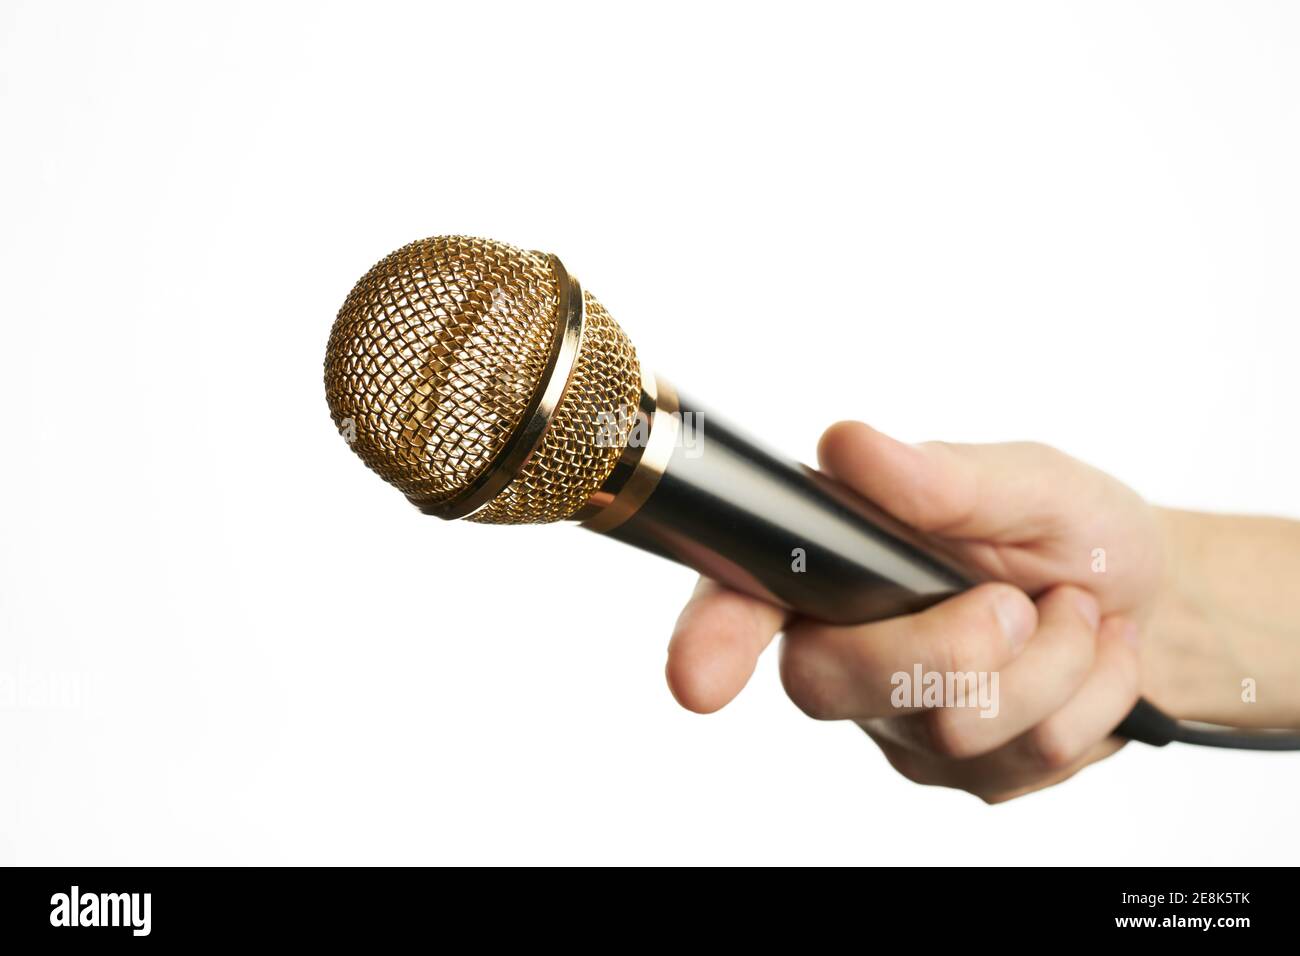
(1209, 650)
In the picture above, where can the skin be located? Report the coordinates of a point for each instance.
(1187, 606)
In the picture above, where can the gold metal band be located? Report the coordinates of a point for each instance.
(570, 321)
(643, 462)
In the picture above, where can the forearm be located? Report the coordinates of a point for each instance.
(1228, 614)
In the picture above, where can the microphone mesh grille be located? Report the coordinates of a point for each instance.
(432, 362)
(583, 442)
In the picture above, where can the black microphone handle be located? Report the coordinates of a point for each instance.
(789, 535)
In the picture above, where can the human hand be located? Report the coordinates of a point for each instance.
(1086, 546)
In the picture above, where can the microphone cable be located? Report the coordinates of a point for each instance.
(1148, 724)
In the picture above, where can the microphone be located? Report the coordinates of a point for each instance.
(483, 383)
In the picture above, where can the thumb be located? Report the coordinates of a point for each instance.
(998, 493)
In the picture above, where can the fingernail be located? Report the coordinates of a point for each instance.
(1088, 609)
(1014, 618)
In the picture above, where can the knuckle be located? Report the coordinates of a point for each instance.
(908, 765)
(956, 652)
(971, 641)
(1076, 637)
(804, 680)
(1066, 592)
(1051, 747)
(950, 734)
(1076, 668)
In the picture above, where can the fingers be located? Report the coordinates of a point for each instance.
(716, 644)
(835, 673)
(1031, 688)
(838, 673)
(991, 783)
(1065, 682)
(1000, 493)
(1097, 708)
(1072, 737)
(1033, 782)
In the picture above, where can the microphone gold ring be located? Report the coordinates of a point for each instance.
(567, 343)
(643, 462)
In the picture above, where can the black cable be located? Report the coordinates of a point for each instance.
(1211, 735)
(1152, 726)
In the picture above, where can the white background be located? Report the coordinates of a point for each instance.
(223, 640)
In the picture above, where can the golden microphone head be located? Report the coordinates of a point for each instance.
(481, 381)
